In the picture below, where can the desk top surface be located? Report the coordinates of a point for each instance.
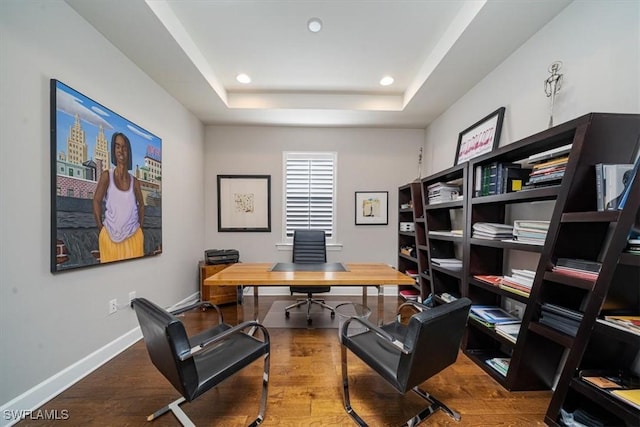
(261, 274)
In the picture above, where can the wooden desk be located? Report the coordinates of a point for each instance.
(260, 274)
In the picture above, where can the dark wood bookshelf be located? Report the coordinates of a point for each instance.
(543, 357)
(597, 345)
(576, 230)
(410, 194)
(440, 217)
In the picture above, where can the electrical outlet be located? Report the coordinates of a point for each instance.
(113, 306)
(132, 296)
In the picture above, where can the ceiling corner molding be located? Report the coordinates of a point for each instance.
(165, 15)
(456, 29)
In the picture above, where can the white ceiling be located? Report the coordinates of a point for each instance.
(435, 49)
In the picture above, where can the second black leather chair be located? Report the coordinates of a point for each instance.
(309, 247)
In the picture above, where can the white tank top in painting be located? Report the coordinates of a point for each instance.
(121, 216)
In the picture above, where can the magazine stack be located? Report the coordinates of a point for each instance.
(531, 232)
(520, 282)
(548, 166)
(448, 263)
(442, 192)
(560, 318)
(581, 268)
(492, 231)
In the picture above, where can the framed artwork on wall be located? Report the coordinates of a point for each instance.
(106, 192)
(372, 207)
(480, 138)
(244, 203)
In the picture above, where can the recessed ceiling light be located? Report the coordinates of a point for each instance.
(386, 81)
(243, 78)
(314, 25)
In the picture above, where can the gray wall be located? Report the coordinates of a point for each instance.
(51, 324)
(368, 160)
(598, 43)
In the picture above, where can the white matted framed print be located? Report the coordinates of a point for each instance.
(244, 203)
(372, 207)
(480, 138)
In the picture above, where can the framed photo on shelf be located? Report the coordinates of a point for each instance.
(480, 138)
(372, 207)
(244, 203)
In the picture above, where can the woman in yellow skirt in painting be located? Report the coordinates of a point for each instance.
(120, 232)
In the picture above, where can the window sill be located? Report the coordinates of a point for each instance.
(289, 246)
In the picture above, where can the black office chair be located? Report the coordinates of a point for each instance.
(196, 364)
(309, 247)
(406, 355)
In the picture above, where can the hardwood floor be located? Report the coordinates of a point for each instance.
(304, 388)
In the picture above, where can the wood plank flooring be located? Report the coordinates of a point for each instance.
(304, 388)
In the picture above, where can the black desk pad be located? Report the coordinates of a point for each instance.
(326, 267)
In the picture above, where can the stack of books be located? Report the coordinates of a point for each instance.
(500, 364)
(499, 178)
(442, 192)
(410, 294)
(548, 166)
(448, 263)
(625, 323)
(520, 282)
(581, 268)
(531, 232)
(492, 231)
(509, 331)
(560, 318)
(633, 246)
(492, 315)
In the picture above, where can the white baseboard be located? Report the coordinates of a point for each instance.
(28, 402)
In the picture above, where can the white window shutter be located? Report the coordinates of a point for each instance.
(309, 192)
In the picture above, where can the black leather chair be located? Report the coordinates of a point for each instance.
(406, 355)
(196, 364)
(309, 247)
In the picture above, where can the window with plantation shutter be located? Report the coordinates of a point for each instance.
(309, 188)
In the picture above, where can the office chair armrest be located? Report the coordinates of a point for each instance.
(224, 335)
(203, 305)
(390, 339)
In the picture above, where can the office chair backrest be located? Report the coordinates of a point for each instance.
(434, 336)
(165, 338)
(309, 246)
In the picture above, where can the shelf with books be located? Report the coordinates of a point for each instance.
(575, 230)
(412, 254)
(444, 204)
(599, 345)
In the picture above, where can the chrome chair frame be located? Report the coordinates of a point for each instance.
(391, 338)
(200, 344)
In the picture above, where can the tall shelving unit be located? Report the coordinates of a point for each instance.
(540, 351)
(440, 218)
(597, 345)
(410, 211)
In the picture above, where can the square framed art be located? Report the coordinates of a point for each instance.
(244, 203)
(372, 208)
